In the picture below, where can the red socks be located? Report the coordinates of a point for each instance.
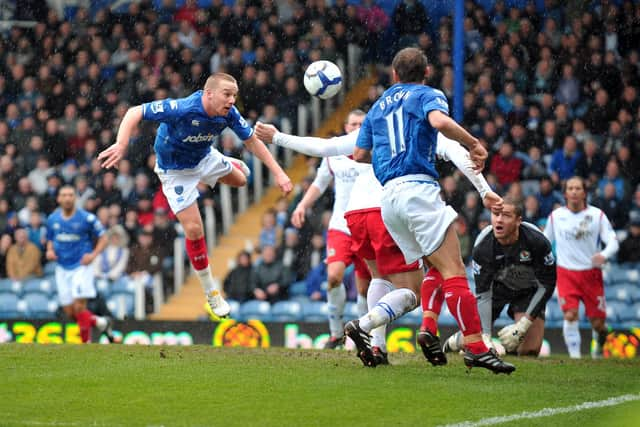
(86, 320)
(431, 298)
(197, 253)
(462, 305)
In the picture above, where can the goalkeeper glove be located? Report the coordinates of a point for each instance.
(512, 335)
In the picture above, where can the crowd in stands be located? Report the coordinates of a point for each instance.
(551, 94)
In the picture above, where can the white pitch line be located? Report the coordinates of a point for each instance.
(547, 412)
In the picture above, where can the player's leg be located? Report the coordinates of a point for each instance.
(533, 338)
(595, 308)
(181, 191)
(568, 297)
(238, 175)
(82, 288)
(462, 304)
(431, 297)
(336, 300)
(196, 246)
(363, 277)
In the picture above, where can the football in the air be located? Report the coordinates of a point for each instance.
(323, 79)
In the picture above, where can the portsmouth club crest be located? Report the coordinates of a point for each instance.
(525, 256)
(179, 189)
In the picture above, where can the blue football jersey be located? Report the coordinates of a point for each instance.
(186, 131)
(398, 132)
(73, 237)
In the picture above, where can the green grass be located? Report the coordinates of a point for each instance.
(96, 385)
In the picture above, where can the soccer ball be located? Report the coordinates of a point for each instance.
(323, 79)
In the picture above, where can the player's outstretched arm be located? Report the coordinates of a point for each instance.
(449, 128)
(112, 155)
(258, 148)
(311, 146)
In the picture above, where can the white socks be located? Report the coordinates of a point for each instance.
(206, 280)
(101, 323)
(389, 307)
(377, 289)
(336, 299)
(361, 303)
(571, 334)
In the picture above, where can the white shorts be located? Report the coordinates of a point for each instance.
(75, 283)
(415, 215)
(180, 186)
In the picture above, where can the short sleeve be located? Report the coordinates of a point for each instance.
(164, 110)
(435, 101)
(365, 140)
(238, 124)
(96, 227)
(49, 228)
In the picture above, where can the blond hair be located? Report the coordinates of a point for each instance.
(213, 80)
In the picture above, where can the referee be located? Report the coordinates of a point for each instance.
(513, 265)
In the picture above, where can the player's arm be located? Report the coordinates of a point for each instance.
(450, 150)
(258, 148)
(609, 236)
(544, 265)
(308, 145)
(449, 128)
(548, 229)
(364, 143)
(316, 189)
(112, 155)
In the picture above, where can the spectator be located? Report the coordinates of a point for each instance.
(612, 176)
(505, 166)
(270, 278)
(145, 261)
(271, 233)
(37, 231)
(548, 197)
(5, 243)
(24, 259)
(611, 206)
(565, 161)
(316, 282)
(240, 282)
(410, 20)
(591, 164)
(112, 262)
(630, 247)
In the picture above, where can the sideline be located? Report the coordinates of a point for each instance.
(547, 412)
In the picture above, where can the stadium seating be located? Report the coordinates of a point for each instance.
(39, 306)
(350, 311)
(8, 285)
(286, 311)
(255, 309)
(44, 286)
(121, 304)
(235, 308)
(10, 306)
(315, 311)
(297, 289)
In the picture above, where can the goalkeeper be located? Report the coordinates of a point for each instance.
(512, 264)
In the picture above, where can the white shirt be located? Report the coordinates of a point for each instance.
(344, 171)
(578, 236)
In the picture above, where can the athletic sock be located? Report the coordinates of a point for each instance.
(336, 299)
(85, 320)
(377, 289)
(571, 334)
(197, 253)
(361, 303)
(389, 307)
(463, 306)
(431, 298)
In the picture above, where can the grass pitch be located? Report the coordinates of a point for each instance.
(97, 385)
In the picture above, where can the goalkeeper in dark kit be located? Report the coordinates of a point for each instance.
(513, 265)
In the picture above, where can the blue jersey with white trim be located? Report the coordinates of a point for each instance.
(186, 131)
(73, 237)
(398, 132)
